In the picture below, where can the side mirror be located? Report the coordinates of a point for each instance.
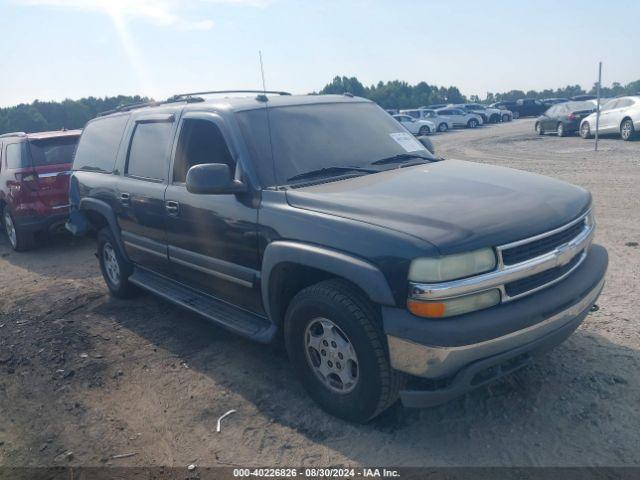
(213, 179)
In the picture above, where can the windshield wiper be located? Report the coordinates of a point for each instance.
(328, 171)
(401, 157)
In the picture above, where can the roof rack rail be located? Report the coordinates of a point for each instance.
(183, 96)
(129, 106)
(13, 134)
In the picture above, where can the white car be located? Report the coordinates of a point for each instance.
(618, 115)
(417, 127)
(488, 114)
(460, 117)
(442, 124)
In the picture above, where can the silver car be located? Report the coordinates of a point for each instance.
(460, 117)
(618, 115)
(442, 124)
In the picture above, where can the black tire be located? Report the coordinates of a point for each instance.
(473, 123)
(560, 129)
(120, 288)
(627, 131)
(443, 127)
(424, 130)
(377, 384)
(19, 239)
(585, 130)
(539, 129)
(506, 118)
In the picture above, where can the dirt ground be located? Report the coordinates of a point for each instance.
(85, 377)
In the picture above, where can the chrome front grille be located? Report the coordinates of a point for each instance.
(540, 261)
(526, 251)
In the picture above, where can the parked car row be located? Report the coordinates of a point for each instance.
(617, 116)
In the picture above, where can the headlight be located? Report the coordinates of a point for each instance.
(451, 267)
(454, 306)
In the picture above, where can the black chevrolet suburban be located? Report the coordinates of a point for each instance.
(319, 220)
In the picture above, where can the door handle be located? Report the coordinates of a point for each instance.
(172, 207)
(124, 198)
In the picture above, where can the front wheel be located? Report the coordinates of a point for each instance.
(424, 130)
(627, 132)
(337, 347)
(473, 123)
(19, 239)
(585, 130)
(560, 129)
(539, 129)
(115, 269)
(443, 127)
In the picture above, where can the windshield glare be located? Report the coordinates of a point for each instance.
(312, 137)
(54, 151)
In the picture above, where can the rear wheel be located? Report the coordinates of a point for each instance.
(473, 123)
(627, 132)
(115, 269)
(539, 129)
(443, 127)
(560, 129)
(424, 130)
(19, 239)
(337, 347)
(585, 130)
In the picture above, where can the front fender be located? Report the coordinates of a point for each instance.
(356, 270)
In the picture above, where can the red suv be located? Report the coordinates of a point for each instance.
(34, 183)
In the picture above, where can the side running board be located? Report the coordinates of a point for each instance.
(236, 319)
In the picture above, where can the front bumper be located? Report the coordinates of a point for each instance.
(462, 353)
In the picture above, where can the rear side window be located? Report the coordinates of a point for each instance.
(53, 151)
(149, 150)
(16, 155)
(99, 144)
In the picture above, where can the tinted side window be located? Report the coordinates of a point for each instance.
(149, 150)
(16, 155)
(201, 141)
(99, 144)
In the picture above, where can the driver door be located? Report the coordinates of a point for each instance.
(212, 239)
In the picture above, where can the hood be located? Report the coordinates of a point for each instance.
(454, 205)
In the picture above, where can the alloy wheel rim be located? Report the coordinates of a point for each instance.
(111, 264)
(585, 130)
(10, 229)
(331, 355)
(626, 129)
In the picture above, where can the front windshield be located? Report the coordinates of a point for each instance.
(311, 137)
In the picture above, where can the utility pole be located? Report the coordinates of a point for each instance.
(598, 103)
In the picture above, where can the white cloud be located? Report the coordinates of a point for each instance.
(157, 12)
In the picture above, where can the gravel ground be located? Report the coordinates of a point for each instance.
(84, 377)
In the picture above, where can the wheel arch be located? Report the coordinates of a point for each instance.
(99, 214)
(288, 267)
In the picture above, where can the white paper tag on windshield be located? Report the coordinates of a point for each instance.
(407, 141)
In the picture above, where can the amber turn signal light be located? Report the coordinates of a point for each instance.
(426, 309)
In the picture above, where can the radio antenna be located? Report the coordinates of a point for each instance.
(264, 85)
(266, 111)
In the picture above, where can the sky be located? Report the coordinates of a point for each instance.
(57, 49)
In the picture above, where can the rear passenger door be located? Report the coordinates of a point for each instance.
(142, 214)
(212, 239)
